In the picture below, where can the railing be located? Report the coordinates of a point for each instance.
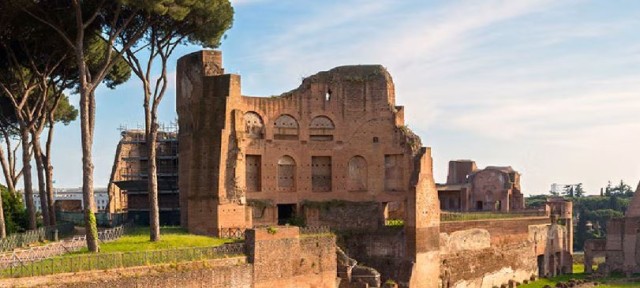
(32, 236)
(466, 216)
(315, 230)
(232, 233)
(393, 222)
(114, 233)
(102, 261)
(102, 218)
(21, 257)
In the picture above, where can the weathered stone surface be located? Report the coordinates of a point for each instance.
(471, 239)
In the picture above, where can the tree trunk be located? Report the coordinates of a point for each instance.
(6, 170)
(154, 213)
(44, 203)
(49, 176)
(86, 111)
(26, 170)
(7, 164)
(3, 229)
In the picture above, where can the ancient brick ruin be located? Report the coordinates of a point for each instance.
(621, 248)
(335, 151)
(468, 188)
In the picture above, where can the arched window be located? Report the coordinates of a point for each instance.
(357, 174)
(286, 173)
(286, 128)
(321, 129)
(253, 125)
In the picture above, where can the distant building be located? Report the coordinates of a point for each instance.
(128, 186)
(468, 188)
(70, 199)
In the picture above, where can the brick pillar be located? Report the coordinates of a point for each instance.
(422, 227)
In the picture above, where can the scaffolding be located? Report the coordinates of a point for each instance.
(133, 169)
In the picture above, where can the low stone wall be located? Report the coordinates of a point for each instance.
(229, 272)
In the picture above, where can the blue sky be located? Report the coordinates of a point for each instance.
(548, 87)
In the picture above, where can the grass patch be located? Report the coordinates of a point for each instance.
(133, 249)
(615, 281)
(170, 237)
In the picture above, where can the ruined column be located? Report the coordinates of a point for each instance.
(423, 224)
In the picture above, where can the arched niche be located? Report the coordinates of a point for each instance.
(285, 128)
(286, 173)
(253, 125)
(358, 175)
(321, 129)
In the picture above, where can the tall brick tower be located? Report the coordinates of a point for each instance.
(211, 199)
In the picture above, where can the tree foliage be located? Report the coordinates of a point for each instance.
(15, 214)
(97, 33)
(172, 23)
(594, 210)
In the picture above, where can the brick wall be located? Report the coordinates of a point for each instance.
(490, 253)
(283, 258)
(382, 249)
(503, 231)
(345, 215)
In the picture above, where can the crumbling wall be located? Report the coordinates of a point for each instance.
(484, 253)
(487, 267)
(471, 239)
(283, 258)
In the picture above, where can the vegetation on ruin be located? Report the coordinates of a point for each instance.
(260, 204)
(468, 216)
(411, 138)
(272, 230)
(172, 237)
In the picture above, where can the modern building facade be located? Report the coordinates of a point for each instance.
(70, 199)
